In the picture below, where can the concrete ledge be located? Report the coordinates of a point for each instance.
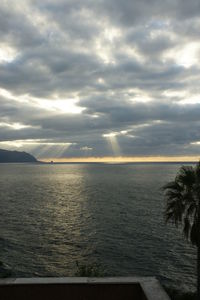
(82, 288)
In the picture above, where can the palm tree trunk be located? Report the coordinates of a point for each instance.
(198, 272)
(198, 251)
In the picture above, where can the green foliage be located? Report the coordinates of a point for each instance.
(182, 201)
(89, 270)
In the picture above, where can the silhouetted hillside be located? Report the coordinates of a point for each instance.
(15, 156)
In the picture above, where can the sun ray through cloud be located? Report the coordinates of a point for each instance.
(79, 71)
(112, 141)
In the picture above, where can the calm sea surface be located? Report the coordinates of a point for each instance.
(54, 215)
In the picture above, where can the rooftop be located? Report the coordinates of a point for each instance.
(82, 288)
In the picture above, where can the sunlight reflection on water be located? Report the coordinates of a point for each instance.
(55, 215)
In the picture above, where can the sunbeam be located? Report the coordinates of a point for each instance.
(112, 141)
(40, 148)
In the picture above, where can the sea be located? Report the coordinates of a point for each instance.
(55, 216)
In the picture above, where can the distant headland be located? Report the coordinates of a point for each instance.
(7, 156)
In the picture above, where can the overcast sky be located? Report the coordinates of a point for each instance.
(100, 78)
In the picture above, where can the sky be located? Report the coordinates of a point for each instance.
(103, 78)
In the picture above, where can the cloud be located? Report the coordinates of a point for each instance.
(74, 73)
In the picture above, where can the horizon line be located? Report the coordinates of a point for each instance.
(123, 159)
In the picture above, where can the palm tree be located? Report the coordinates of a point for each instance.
(183, 207)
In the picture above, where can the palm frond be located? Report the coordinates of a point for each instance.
(182, 198)
(194, 234)
(197, 171)
(191, 209)
(174, 212)
(186, 227)
(172, 194)
(172, 185)
(169, 216)
(186, 176)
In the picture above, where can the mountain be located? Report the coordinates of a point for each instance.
(15, 157)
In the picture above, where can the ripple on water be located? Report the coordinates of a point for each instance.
(55, 215)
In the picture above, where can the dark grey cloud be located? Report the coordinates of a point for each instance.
(72, 72)
(16, 28)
